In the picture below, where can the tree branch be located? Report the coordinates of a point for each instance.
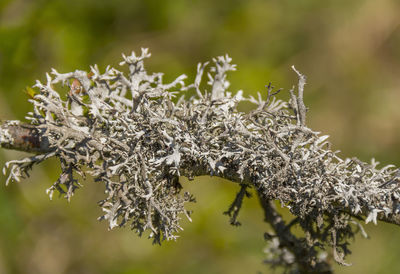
(139, 144)
(23, 137)
(289, 245)
(28, 138)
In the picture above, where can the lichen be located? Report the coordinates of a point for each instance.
(128, 131)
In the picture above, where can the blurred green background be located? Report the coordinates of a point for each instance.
(350, 51)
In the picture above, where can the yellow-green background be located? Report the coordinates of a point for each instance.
(350, 51)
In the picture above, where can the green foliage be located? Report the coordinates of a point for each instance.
(349, 50)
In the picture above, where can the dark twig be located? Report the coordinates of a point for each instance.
(290, 242)
(236, 205)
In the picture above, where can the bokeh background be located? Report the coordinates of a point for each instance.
(350, 51)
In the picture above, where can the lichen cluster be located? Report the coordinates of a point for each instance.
(129, 131)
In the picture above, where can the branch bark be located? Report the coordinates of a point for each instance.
(23, 137)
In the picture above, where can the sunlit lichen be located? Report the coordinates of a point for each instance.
(127, 131)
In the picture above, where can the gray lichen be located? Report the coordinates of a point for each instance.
(127, 131)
